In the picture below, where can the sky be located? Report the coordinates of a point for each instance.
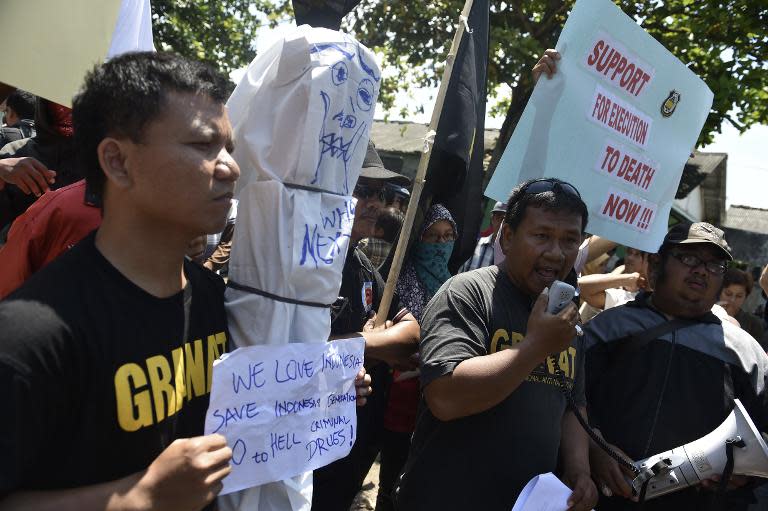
(747, 169)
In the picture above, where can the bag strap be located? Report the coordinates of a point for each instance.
(637, 341)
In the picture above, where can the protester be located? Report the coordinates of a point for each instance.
(492, 417)
(483, 254)
(19, 117)
(424, 271)
(385, 234)
(336, 485)
(647, 396)
(33, 165)
(90, 340)
(397, 196)
(737, 285)
(48, 228)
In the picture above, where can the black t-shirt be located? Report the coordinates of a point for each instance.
(484, 460)
(96, 375)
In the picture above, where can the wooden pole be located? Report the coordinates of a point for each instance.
(421, 171)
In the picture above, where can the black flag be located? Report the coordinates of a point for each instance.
(322, 13)
(455, 174)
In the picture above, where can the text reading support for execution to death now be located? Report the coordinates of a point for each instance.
(284, 409)
(621, 69)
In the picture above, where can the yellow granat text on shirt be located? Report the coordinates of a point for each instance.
(566, 360)
(148, 393)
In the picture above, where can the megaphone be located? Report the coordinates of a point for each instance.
(701, 459)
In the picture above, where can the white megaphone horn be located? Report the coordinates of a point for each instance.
(701, 459)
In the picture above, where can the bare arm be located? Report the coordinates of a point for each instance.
(31, 176)
(574, 453)
(185, 477)
(480, 383)
(598, 246)
(394, 344)
(592, 287)
(114, 495)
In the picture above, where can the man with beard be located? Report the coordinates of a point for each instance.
(649, 395)
(494, 365)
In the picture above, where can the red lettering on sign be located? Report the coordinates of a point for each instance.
(618, 65)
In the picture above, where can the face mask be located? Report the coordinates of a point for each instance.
(431, 263)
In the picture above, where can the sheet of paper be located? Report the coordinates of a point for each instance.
(618, 121)
(284, 409)
(544, 492)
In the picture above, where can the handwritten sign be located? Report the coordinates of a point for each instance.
(284, 409)
(618, 121)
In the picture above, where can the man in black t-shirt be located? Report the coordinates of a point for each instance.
(106, 354)
(494, 365)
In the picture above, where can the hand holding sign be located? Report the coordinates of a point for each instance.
(186, 475)
(287, 409)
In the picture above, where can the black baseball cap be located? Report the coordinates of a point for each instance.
(700, 232)
(373, 168)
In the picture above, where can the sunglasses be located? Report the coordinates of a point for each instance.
(549, 185)
(692, 261)
(366, 192)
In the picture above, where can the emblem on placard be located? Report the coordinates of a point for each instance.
(669, 105)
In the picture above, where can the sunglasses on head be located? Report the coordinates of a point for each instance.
(366, 192)
(549, 185)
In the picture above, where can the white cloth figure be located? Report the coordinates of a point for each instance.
(301, 117)
(133, 31)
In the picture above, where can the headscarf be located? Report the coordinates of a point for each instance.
(427, 266)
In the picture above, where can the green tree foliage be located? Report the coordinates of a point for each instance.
(723, 41)
(221, 32)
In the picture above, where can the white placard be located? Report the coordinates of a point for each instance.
(620, 104)
(284, 409)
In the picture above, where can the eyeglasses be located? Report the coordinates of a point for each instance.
(548, 185)
(437, 238)
(366, 192)
(692, 261)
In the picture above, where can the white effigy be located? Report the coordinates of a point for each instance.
(301, 117)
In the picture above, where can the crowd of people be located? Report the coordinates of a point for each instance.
(117, 220)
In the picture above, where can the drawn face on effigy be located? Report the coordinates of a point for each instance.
(348, 95)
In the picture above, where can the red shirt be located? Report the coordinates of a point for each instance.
(53, 224)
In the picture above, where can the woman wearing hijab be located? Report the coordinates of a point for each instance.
(425, 270)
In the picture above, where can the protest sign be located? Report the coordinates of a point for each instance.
(618, 120)
(284, 409)
(48, 45)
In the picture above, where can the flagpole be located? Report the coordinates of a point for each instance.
(421, 171)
